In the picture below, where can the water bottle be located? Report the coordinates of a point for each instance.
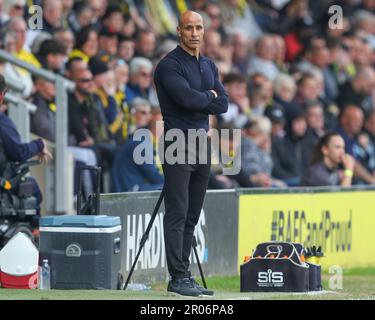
(45, 276)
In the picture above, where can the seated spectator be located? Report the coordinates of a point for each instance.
(14, 73)
(256, 161)
(315, 119)
(240, 57)
(126, 48)
(113, 117)
(212, 45)
(238, 15)
(52, 15)
(276, 114)
(52, 55)
(81, 17)
(66, 38)
(351, 123)
(121, 70)
(43, 121)
(224, 158)
(113, 17)
(292, 152)
(140, 70)
(359, 90)
(330, 165)
(263, 60)
(239, 104)
(86, 45)
(83, 115)
(145, 44)
(19, 27)
(261, 97)
(108, 43)
(369, 145)
(285, 90)
(127, 175)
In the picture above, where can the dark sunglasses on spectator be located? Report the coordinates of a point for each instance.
(85, 80)
(18, 7)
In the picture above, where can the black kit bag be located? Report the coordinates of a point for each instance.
(275, 267)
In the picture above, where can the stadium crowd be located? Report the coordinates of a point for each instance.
(293, 79)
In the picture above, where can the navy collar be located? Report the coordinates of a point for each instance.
(186, 54)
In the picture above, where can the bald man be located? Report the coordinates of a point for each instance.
(188, 89)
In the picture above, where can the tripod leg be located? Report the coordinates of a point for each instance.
(198, 262)
(145, 237)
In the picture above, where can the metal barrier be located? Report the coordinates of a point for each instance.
(21, 116)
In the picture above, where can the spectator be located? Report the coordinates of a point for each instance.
(330, 165)
(263, 60)
(237, 15)
(84, 119)
(86, 45)
(224, 158)
(292, 152)
(351, 123)
(256, 161)
(111, 114)
(145, 44)
(239, 103)
(126, 48)
(276, 115)
(52, 15)
(359, 90)
(52, 55)
(66, 38)
(212, 45)
(214, 14)
(241, 48)
(315, 119)
(299, 36)
(280, 52)
(285, 91)
(108, 43)
(122, 77)
(261, 97)
(14, 8)
(18, 26)
(113, 18)
(319, 56)
(15, 73)
(43, 122)
(140, 78)
(82, 17)
(127, 175)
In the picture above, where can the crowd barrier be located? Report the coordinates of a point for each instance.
(232, 222)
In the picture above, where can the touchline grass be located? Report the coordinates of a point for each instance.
(357, 284)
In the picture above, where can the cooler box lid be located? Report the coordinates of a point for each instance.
(79, 221)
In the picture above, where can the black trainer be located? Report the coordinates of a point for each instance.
(183, 287)
(203, 290)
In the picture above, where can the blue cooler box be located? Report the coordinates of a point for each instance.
(84, 252)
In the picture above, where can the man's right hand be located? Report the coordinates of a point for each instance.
(45, 155)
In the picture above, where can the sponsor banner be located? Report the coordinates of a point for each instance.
(216, 234)
(342, 223)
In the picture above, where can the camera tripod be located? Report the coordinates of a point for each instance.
(145, 237)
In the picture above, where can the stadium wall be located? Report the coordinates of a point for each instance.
(342, 221)
(216, 234)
